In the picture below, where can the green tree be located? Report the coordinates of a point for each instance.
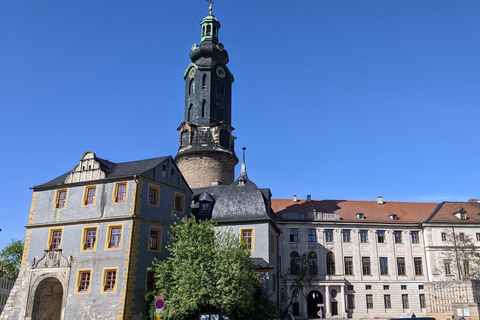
(208, 271)
(10, 259)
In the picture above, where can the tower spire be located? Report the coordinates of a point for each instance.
(243, 171)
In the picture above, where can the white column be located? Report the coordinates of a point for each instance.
(328, 313)
(344, 310)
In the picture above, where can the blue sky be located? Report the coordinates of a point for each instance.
(337, 99)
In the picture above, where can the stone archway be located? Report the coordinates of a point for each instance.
(314, 298)
(47, 303)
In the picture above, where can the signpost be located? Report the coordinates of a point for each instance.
(159, 304)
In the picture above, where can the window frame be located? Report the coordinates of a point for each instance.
(249, 246)
(328, 235)
(56, 204)
(148, 277)
(401, 266)
(158, 243)
(51, 235)
(369, 301)
(86, 196)
(383, 266)
(105, 279)
(116, 192)
(398, 236)
(348, 266)
(182, 202)
(156, 197)
(415, 236)
(293, 234)
(421, 298)
(418, 266)
(311, 235)
(85, 237)
(405, 303)
(80, 280)
(363, 236)
(381, 236)
(108, 239)
(346, 235)
(387, 301)
(366, 266)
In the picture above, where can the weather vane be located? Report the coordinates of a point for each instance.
(211, 6)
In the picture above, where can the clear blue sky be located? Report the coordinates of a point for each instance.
(337, 99)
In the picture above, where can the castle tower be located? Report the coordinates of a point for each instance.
(206, 153)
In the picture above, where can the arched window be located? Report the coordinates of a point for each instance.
(220, 86)
(204, 104)
(190, 113)
(184, 138)
(330, 263)
(209, 29)
(224, 138)
(294, 260)
(204, 81)
(219, 113)
(191, 86)
(312, 263)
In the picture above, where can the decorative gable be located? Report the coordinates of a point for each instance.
(88, 169)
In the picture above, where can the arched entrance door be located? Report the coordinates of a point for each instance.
(47, 304)
(314, 298)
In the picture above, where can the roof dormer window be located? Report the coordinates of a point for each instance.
(461, 214)
(360, 216)
(393, 217)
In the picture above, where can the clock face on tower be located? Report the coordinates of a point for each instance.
(221, 72)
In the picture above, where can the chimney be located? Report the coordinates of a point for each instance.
(380, 200)
(294, 198)
(309, 198)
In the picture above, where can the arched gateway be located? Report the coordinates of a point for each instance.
(47, 304)
(314, 298)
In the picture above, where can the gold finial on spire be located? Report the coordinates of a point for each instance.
(211, 6)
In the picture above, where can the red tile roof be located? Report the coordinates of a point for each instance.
(407, 212)
(446, 213)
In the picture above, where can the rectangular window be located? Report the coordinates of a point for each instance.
(153, 194)
(328, 235)
(405, 301)
(384, 266)
(387, 301)
(351, 301)
(448, 269)
(420, 286)
(461, 236)
(348, 266)
(247, 238)
(368, 287)
(350, 287)
(415, 237)
(293, 235)
(154, 239)
(381, 236)
(179, 200)
(386, 287)
(369, 301)
(61, 199)
(398, 236)
(89, 238)
(120, 192)
(363, 236)
(89, 195)
(478, 236)
(114, 238)
(403, 287)
(83, 281)
(150, 286)
(366, 265)
(109, 280)
(55, 239)
(444, 236)
(418, 266)
(272, 243)
(422, 301)
(346, 235)
(311, 235)
(401, 266)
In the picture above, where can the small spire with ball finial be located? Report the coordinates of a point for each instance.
(211, 6)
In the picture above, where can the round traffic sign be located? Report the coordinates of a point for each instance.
(159, 304)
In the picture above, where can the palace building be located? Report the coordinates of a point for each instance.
(94, 231)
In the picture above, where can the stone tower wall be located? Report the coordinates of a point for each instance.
(203, 170)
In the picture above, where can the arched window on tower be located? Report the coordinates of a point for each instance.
(204, 105)
(204, 81)
(191, 86)
(190, 113)
(220, 87)
(219, 113)
(330, 263)
(294, 260)
(224, 138)
(184, 141)
(209, 29)
(312, 263)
